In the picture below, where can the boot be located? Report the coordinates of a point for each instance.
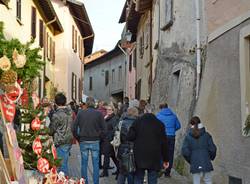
(104, 174)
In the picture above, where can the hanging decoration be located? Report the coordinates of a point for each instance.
(5, 63)
(36, 124)
(8, 109)
(43, 165)
(36, 100)
(18, 59)
(37, 146)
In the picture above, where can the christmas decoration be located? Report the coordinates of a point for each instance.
(18, 59)
(43, 165)
(14, 93)
(25, 98)
(37, 146)
(35, 124)
(35, 100)
(8, 109)
(5, 63)
(54, 153)
(9, 77)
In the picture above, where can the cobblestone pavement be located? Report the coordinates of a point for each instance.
(75, 167)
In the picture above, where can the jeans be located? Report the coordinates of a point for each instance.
(171, 146)
(122, 178)
(207, 177)
(63, 153)
(94, 148)
(139, 176)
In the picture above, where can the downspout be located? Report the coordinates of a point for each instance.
(198, 66)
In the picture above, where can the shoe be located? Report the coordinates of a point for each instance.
(103, 174)
(115, 173)
(167, 175)
(110, 167)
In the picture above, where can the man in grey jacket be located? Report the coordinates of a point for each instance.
(60, 129)
(88, 128)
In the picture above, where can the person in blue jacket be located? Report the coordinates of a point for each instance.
(172, 124)
(198, 149)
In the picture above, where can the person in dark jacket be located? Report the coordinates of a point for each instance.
(60, 129)
(126, 123)
(172, 124)
(111, 121)
(88, 128)
(150, 146)
(198, 150)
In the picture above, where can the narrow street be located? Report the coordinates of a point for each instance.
(74, 170)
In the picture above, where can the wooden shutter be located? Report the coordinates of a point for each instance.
(75, 41)
(47, 45)
(53, 52)
(73, 37)
(51, 48)
(72, 86)
(41, 31)
(18, 9)
(79, 47)
(33, 22)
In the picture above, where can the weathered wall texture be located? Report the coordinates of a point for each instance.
(175, 73)
(219, 106)
(97, 72)
(219, 12)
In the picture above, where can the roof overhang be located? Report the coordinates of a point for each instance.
(5, 2)
(80, 16)
(49, 15)
(143, 5)
(131, 17)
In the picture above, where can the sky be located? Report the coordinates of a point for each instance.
(104, 16)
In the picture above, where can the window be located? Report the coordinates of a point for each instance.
(33, 22)
(175, 87)
(18, 9)
(141, 46)
(233, 180)
(48, 46)
(40, 87)
(41, 37)
(130, 63)
(120, 73)
(106, 77)
(134, 58)
(113, 75)
(138, 90)
(90, 83)
(168, 18)
(74, 86)
(245, 74)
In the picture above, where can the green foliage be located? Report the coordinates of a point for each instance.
(33, 65)
(179, 165)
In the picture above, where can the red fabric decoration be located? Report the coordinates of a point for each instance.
(8, 108)
(37, 146)
(35, 124)
(43, 165)
(54, 153)
(25, 98)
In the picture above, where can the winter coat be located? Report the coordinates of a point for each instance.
(150, 142)
(111, 122)
(89, 125)
(126, 123)
(199, 152)
(60, 126)
(170, 120)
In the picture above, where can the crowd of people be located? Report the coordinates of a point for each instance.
(129, 134)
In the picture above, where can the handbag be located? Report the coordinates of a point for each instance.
(128, 161)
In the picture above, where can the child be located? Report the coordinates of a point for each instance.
(198, 150)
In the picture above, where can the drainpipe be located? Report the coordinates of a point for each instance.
(50, 22)
(198, 66)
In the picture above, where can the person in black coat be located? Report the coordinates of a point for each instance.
(150, 147)
(198, 150)
(107, 149)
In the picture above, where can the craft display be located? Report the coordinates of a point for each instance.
(36, 124)
(18, 59)
(43, 165)
(5, 63)
(8, 108)
(37, 146)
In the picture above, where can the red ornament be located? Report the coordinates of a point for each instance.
(54, 153)
(36, 124)
(37, 146)
(8, 108)
(43, 165)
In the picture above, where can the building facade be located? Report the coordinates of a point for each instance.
(73, 45)
(104, 77)
(37, 20)
(223, 103)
